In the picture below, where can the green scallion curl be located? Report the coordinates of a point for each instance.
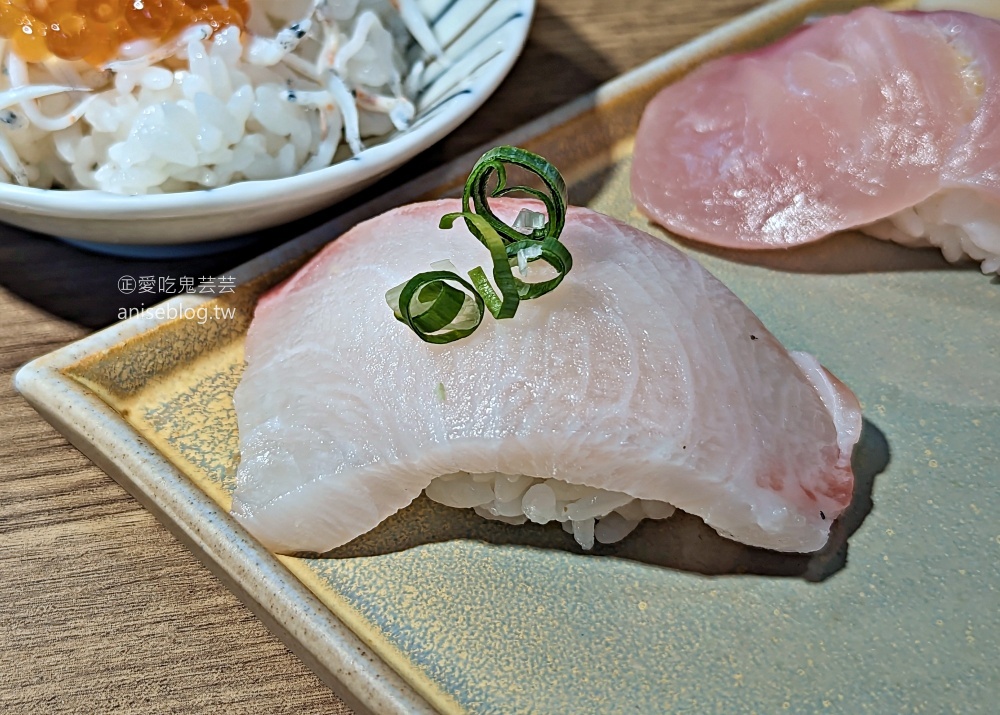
(477, 191)
(553, 253)
(504, 305)
(444, 312)
(446, 303)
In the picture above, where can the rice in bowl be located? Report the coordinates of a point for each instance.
(307, 85)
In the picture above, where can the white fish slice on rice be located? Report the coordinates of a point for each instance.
(641, 375)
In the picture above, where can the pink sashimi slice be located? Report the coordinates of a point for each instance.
(974, 159)
(851, 120)
(640, 374)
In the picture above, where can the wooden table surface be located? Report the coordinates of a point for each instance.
(101, 608)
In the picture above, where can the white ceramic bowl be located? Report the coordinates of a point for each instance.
(481, 38)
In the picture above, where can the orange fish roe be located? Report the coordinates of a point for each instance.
(95, 30)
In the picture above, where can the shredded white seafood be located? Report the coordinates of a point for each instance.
(308, 78)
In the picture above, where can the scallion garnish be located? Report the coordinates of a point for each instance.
(439, 305)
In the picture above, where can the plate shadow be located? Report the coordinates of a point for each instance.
(847, 252)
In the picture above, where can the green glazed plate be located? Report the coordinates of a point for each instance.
(439, 610)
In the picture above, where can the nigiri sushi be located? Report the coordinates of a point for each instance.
(641, 384)
(884, 122)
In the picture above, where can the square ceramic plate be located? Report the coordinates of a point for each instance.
(437, 609)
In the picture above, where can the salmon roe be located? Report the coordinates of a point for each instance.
(95, 30)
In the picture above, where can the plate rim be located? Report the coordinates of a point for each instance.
(24, 203)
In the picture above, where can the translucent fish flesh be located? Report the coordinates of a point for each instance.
(641, 374)
(856, 119)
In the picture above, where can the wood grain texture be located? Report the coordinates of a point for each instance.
(102, 609)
